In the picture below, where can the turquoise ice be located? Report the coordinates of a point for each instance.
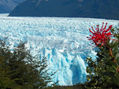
(63, 41)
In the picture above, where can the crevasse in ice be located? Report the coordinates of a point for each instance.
(63, 41)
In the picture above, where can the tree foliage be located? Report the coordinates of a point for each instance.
(103, 73)
(20, 70)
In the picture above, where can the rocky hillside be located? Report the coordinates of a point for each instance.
(108, 9)
(8, 5)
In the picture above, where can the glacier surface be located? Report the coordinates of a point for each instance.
(63, 41)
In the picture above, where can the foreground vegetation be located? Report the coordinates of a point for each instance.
(19, 70)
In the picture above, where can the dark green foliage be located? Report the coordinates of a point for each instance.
(19, 70)
(79, 86)
(103, 72)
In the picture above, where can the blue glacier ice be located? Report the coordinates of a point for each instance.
(63, 41)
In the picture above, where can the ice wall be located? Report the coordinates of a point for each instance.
(63, 41)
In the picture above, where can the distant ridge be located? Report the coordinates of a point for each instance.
(8, 5)
(108, 9)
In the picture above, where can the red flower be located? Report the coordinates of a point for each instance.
(100, 36)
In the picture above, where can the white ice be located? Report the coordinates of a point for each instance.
(63, 41)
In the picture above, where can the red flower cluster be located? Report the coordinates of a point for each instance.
(100, 36)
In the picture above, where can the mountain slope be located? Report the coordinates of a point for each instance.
(68, 8)
(8, 5)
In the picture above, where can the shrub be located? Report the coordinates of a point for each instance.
(103, 73)
(20, 70)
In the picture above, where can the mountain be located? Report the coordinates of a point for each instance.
(108, 9)
(8, 5)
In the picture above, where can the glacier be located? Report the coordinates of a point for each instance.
(63, 41)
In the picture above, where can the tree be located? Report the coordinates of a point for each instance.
(20, 70)
(103, 73)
